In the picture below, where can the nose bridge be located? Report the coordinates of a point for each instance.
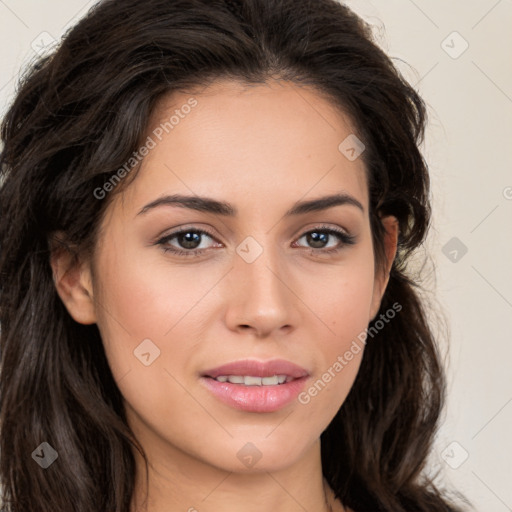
(262, 298)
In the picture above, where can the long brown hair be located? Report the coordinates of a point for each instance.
(77, 118)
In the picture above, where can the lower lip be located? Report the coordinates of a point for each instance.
(255, 398)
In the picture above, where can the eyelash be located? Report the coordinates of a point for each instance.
(345, 238)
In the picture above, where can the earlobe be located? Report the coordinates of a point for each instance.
(391, 227)
(73, 283)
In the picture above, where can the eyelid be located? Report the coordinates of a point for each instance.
(185, 229)
(321, 226)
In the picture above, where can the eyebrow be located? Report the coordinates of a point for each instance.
(209, 205)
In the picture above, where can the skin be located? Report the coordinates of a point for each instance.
(261, 148)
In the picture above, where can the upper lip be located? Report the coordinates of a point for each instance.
(254, 368)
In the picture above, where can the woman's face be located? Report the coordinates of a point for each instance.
(255, 276)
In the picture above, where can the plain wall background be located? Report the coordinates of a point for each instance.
(468, 148)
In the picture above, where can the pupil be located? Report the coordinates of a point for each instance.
(317, 238)
(190, 240)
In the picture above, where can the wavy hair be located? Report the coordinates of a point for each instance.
(78, 116)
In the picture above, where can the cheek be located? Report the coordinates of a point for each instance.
(142, 296)
(343, 306)
(148, 323)
(152, 320)
(341, 297)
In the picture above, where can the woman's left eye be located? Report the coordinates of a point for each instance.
(190, 240)
(320, 237)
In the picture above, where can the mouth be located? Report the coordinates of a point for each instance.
(255, 386)
(253, 380)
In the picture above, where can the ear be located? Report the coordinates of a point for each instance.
(73, 281)
(391, 227)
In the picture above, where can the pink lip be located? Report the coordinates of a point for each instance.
(256, 398)
(258, 369)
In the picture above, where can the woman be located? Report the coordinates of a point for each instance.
(207, 211)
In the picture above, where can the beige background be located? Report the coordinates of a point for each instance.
(468, 147)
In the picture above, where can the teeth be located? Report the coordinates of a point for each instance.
(248, 380)
(236, 379)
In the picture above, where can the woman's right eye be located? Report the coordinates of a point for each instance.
(188, 239)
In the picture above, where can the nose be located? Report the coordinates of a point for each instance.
(261, 296)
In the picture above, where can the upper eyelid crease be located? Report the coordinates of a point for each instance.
(223, 208)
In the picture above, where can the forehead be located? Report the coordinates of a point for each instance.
(277, 141)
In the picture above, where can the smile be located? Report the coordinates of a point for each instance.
(256, 386)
